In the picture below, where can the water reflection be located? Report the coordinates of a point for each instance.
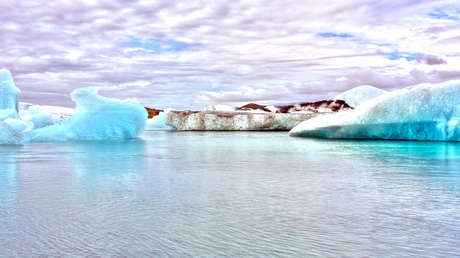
(8, 176)
(8, 190)
(230, 194)
(8, 165)
(109, 157)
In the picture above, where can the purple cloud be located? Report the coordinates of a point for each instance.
(182, 54)
(430, 60)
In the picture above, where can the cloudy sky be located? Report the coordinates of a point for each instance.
(185, 54)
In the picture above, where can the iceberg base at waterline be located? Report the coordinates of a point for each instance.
(424, 112)
(158, 122)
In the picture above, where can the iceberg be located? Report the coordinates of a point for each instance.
(252, 116)
(8, 92)
(38, 117)
(158, 123)
(96, 118)
(359, 95)
(58, 113)
(19, 125)
(234, 121)
(425, 112)
(8, 134)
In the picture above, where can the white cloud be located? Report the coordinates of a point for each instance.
(274, 47)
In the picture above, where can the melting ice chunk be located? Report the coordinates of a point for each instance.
(9, 135)
(96, 118)
(38, 117)
(19, 125)
(420, 112)
(158, 123)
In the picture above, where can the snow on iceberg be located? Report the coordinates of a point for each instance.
(158, 123)
(225, 108)
(38, 117)
(96, 118)
(421, 112)
(358, 95)
(57, 113)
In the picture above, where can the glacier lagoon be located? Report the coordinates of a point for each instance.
(230, 194)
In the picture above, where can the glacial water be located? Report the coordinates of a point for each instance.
(230, 194)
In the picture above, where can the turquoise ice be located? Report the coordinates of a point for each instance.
(8, 92)
(421, 112)
(96, 118)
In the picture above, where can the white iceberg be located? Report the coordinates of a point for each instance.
(252, 116)
(234, 121)
(359, 95)
(421, 112)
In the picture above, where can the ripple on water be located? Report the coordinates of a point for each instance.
(230, 194)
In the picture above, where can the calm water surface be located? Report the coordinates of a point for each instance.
(230, 194)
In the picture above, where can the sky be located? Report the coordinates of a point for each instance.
(188, 54)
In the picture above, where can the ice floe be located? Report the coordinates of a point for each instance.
(96, 118)
(420, 112)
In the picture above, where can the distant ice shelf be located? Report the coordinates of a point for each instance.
(251, 117)
(234, 121)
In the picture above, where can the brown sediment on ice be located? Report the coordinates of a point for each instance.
(253, 117)
(253, 107)
(313, 107)
(153, 112)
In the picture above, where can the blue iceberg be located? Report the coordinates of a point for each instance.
(37, 116)
(96, 118)
(425, 112)
(8, 93)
